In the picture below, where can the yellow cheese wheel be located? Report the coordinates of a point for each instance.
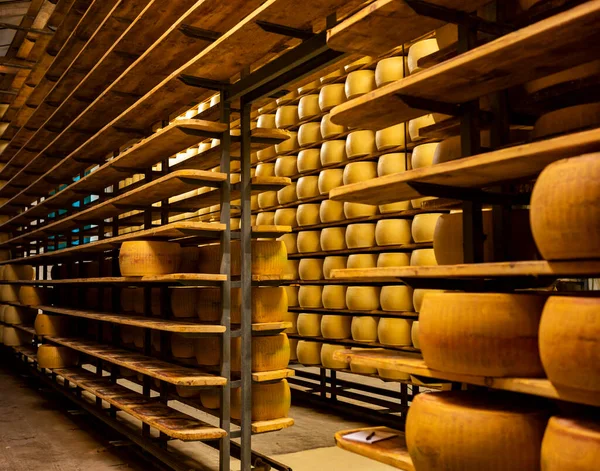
(308, 214)
(210, 398)
(357, 64)
(392, 375)
(269, 353)
(144, 258)
(288, 194)
(414, 334)
(266, 121)
(334, 296)
(207, 303)
(182, 347)
(265, 170)
(359, 171)
(267, 153)
(52, 325)
(254, 202)
(359, 144)
(330, 179)
(415, 125)
(308, 134)
(18, 315)
(359, 210)
(268, 257)
(393, 232)
(308, 107)
(423, 154)
(394, 332)
(291, 242)
(18, 272)
(333, 263)
(423, 258)
(336, 327)
(269, 304)
(13, 337)
(270, 401)
(51, 356)
(364, 328)
(286, 116)
(565, 209)
(419, 295)
(309, 296)
(208, 351)
(363, 298)
(331, 95)
(470, 431)
(309, 353)
(483, 334)
(309, 160)
(393, 136)
(362, 260)
(285, 217)
(293, 349)
(309, 87)
(423, 227)
(327, 360)
(332, 76)
(571, 443)
(569, 75)
(267, 199)
(333, 238)
(359, 82)
(360, 235)
(333, 152)
(451, 149)
(288, 97)
(309, 325)
(446, 36)
(311, 269)
(389, 164)
(569, 344)
(396, 298)
(390, 69)
(329, 129)
(188, 392)
(291, 269)
(33, 296)
(394, 207)
(266, 218)
(292, 318)
(292, 295)
(286, 146)
(361, 369)
(307, 187)
(419, 50)
(309, 241)
(393, 259)
(331, 211)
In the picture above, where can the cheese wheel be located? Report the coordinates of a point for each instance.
(269, 353)
(419, 50)
(15, 315)
(266, 121)
(362, 298)
(52, 357)
(331, 95)
(468, 431)
(394, 332)
(288, 194)
(359, 82)
(569, 75)
(357, 64)
(423, 258)
(127, 334)
(414, 334)
(291, 269)
(329, 129)
(393, 259)
(419, 296)
(291, 242)
(415, 125)
(309, 160)
(210, 398)
(308, 107)
(33, 296)
(18, 272)
(268, 257)
(423, 154)
(336, 327)
(332, 76)
(333, 263)
(362, 260)
(361, 369)
(307, 187)
(311, 269)
(308, 214)
(52, 325)
(359, 210)
(146, 258)
(389, 164)
(308, 134)
(309, 241)
(331, 211)
(208, 351)
(333, 238)
(187, 392)
(423, 227)
(266, 218)
(309, 87)
(269, 304)
(309, 325)
(396, 298)
(359, 171)
(394, 207)
(182, 347)
(446, 36)
(334, 297)
(392, 375)
(309, 353)
(267, 153)
(293, 349)
(327, 360)
(481, 334)
(360, 235)
(254, 202)
(309, 296)
(569, 344)
(285, 217)
(286, 116)
(393, 232)
(571, 443)
(270, 401)
(267, 199)
(389, 70)
(292, 295)
(13, 337)
(292, 318)
(333, 152)
(393, 136)
(330, 179)
(364, 328)
(207, 303)
(288, 97)
(360, 144)
(265, 170)
(565, 209)
(451, 148)
(286, 146)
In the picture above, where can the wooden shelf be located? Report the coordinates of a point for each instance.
(375, 249)
(348, 312)
(268, 328)
(478, 171)
(416, 366)
(183, 279)
(28, 329)
(495, 66)
(28, 352)
(275, 375)
(392, 451)
(151, 411)
(354, 343)
(293, 204)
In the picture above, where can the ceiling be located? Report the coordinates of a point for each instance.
(11, 12)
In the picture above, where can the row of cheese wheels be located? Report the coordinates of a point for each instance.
(25, 295)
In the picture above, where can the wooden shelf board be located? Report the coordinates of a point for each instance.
(348, 312)
(185, 279)
(29, 352)
(354, 343)
(293, 204)
(275, 375)
(28, 329)
(270, 328)
(375, 249)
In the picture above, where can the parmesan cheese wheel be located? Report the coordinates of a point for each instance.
(446, 36)
(482, 334)
(389, 164)
(309, 241)
(54, 326)
(423, 258)
(331, 95)
(330, 179)
(363, 298)
(393, 232)
(210, 398)
(334, 296)
(451, 148)
(394, 332)
(309, 296)
(266, 218)
(309, 87)
(15, 315)
(423, 227)
(571, 443)
(208, 351)
(565, 209)
(254, 202)
(292, 318)
(293, 349)
(308, 214)
(419, 295)
(145, 258)
(286, 146)
(332, 76)
(419, 50)
(288, 194)
(52, 357)
(270, 401)
(269, 353)
(309, 133)
(285, 217)
(268, 153)
(329, 129)
(291, 269)
(336, 327)
(415, 125)
(396, 298)
(393, 136)
(359, 171)
(267, 199)
(392, 375)
(389, 70)
(568, 75)
(307, 187)
(359, 210)
(393, 259)
(333, 238)
(268, 258)
(333, 263)
(331, 211)
(188, 392)
(333, 152)
(393, 207)
(468, 431)
(360, 235)
(308, 107)
(327, 360)
(287, 97)
(362, 260)
(308, 353)
(269, 304)
(569, 344)
(364, 328)
(182, 347)
(361, 369)
(285, 166)
(207, 303)
(414, 334)
(423, 154)
(311, 269)
(359, 82)
(359, 144)
(266, 121)
(13, 337)
(357, 64)
(309, 325)
(18, 272)
(291, 242)
(33, 296)
(309, 160)
(286, 116)
(265, 170)
(292, 295)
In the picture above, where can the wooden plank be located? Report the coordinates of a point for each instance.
(354, 343)
(374, 249)
(274, 425)
(275, 375)
(185, 279)
(270, 328)
(482, 170)
(392, 451)
(533, 52)
(348, 312)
